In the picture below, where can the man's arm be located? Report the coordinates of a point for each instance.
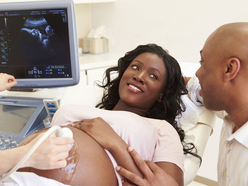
(186, 79)
(153, 174)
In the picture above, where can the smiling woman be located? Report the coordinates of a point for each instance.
(174, 85)
(142, 80)
(138, 109)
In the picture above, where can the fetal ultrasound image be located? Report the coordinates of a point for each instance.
(37, 39)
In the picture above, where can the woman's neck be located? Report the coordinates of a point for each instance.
(123, 107)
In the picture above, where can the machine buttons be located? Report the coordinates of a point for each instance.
(7, 142)
(10, 137)
(14, 144)
(51, 106)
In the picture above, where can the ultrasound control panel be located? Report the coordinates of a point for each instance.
(19, 119)
(8, 143)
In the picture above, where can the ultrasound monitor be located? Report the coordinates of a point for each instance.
(38, 43)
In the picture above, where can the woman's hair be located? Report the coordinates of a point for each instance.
(171, 105)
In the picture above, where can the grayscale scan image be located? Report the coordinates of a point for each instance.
(37, 39)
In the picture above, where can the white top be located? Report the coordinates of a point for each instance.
(233, 155)
(155, 140)
(233, 148)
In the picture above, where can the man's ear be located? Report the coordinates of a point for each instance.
(232, 69)
(160, 97)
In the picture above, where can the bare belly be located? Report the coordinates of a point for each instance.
(87, 164)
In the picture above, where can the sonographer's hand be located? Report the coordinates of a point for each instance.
(6, 81)
(153, 174)
(51, 154)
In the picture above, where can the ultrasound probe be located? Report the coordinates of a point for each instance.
(59, 132)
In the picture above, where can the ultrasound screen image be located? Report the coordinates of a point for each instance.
(35, 44)
(37, 40)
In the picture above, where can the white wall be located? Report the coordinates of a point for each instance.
(83, 19)
(180, 26)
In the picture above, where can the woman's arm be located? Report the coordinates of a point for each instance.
(101, 131)
(153, 174)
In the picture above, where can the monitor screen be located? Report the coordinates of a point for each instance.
(14, 118)
(38, 43)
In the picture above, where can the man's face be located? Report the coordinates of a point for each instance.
(210, 76)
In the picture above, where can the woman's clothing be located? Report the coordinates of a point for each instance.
(154, 140)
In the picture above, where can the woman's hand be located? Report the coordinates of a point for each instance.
(6, 81)
(98, 129)
(103, 133)
(153, 174)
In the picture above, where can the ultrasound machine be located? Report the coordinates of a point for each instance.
(38, 46)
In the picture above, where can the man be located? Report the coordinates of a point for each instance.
(223, 77)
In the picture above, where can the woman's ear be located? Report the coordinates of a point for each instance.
(232, 69)
(160, 97)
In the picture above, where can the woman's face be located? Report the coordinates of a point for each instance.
(142, 82)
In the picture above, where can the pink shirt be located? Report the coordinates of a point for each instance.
(154, 140)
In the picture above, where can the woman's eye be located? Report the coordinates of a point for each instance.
(153, 76)
(135, 67)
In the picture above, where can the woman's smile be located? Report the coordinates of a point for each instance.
(134, 88)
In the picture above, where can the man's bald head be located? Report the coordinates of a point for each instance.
(230, 40)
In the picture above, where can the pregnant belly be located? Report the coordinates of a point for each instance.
(87, 164)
